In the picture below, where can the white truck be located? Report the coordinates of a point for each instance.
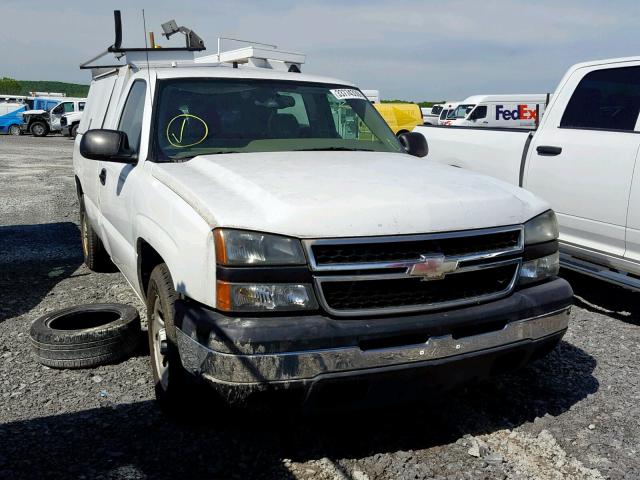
(583, 159)
(275, 248)
(430, 115)
(42, 122)
(69, 123)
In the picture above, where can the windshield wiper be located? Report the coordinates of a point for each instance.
(335, 149)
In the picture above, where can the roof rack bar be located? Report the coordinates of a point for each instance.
(193, 43)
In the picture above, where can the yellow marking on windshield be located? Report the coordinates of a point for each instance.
(177, 141)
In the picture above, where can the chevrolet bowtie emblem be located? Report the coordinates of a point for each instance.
(433, 267)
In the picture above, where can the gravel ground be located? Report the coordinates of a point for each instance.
(574, 414)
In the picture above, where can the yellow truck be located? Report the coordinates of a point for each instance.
(401, 117)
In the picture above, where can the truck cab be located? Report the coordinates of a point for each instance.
(282, 237)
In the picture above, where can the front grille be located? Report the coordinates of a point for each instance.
(369, 276)
(374, 252)
(409, 292)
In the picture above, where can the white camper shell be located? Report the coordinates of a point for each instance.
(501, 111)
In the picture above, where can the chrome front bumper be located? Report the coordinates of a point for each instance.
(256, 369)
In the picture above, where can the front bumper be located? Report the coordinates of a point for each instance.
(250, 352)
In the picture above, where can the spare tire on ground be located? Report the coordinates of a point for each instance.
(86, 336)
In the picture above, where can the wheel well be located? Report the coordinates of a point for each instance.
(400, 132)
(148, 259)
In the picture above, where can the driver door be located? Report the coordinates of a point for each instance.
(58, 112)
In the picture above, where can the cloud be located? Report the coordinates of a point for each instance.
(407, 49)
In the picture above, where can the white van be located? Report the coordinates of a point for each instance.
(508, 111)
(447, 108)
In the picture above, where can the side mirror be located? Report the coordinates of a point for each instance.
(414, 144)
(107, 145)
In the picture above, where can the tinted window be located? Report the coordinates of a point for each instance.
(68, 107)
(607, 99)
(436, 110)
(479, 112)
(443, 113)
(131, 119)
(81, 106)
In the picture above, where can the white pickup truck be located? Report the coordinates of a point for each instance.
(583, 159)
(282, 236)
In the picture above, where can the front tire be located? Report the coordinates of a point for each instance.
(95, 256)
(14, 130)
(39, 129)
(74, 131)
(172, 383)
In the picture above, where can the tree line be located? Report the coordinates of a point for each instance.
(10, 86)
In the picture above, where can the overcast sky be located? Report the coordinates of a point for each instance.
(418, 50)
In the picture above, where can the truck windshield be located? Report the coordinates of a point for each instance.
(209, 116)
(461, 111)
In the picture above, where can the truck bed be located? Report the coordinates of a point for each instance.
(498, 152)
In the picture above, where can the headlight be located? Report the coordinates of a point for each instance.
(239, 247)
(540, 269)
(240, 297)
(543, 228)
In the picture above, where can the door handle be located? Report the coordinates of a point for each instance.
(549, 151)
(103, 176)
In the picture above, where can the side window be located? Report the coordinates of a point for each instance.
(479, 112)
(605, 99)
(68, 107)
(81, 106)
(58, 109)
(131, 118)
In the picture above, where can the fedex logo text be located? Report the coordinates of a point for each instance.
(523, 112)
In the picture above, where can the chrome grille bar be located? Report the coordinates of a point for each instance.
(482, 260)
(488, 255)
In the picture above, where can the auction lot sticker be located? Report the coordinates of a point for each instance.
(348, 94)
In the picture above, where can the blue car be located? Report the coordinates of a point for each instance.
(11, 117)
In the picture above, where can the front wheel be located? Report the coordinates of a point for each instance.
(95, 256)
(172, 383)
(39, 129)
(14, 130)
(74, 131)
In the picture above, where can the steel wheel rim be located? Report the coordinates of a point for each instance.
(14, 130)
(158, 331)
(85, 236)
(38, 129)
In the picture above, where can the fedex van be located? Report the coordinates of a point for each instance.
(508, 111)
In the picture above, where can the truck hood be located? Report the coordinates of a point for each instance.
(339, 194)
